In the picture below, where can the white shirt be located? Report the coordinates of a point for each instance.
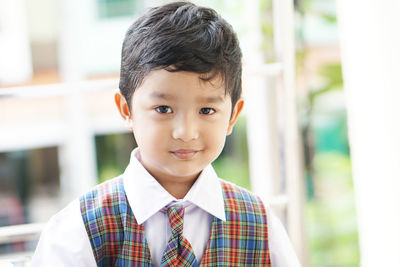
(64, 241)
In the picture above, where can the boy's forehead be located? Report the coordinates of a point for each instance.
(161, 83)
(209, 98)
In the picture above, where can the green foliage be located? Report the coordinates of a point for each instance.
(311, 7)
(331, 224)
(113, 153)
(332, 74)
(267, 30)
(108, 172)
(333, 80)
(234, 171)
(330, 210)
(233, 165)
(331, 18)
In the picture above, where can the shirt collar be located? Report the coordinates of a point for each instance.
(146, 196)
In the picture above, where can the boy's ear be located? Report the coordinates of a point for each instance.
(235, 114)
(123, 108)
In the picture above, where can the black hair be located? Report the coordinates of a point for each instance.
(181, 36)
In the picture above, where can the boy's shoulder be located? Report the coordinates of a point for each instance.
(239, 199)
(108, 191)
(110, 184)
(233, 190)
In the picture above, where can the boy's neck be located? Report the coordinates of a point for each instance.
(177, 189)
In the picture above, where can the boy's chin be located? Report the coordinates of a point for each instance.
(185, 174)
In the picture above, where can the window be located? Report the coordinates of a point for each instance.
(117, 8)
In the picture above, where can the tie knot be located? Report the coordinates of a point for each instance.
(175, 216)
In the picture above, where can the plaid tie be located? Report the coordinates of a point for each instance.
(178, 252)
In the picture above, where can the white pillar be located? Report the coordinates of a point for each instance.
(285, 50)
(69, 38)
(262, 134)
(78, 153)
(260, 107)
(370, 47)
(15, 54)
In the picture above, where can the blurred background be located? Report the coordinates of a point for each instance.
(60, 133)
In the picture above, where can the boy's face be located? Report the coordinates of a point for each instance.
(180, 123)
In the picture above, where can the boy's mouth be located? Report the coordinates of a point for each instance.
(184, 153)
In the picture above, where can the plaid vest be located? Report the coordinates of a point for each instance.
(118, 240)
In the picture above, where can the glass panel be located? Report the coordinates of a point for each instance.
(117, 8)
(29, 190)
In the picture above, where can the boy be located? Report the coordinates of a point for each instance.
(180, 91)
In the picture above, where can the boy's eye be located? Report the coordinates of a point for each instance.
(163, 109)
(207, 111)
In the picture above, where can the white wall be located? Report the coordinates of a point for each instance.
(42, 20)
(15, 57)
(370, 42)
(89, 45)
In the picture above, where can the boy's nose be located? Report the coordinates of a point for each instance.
(185, 129)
